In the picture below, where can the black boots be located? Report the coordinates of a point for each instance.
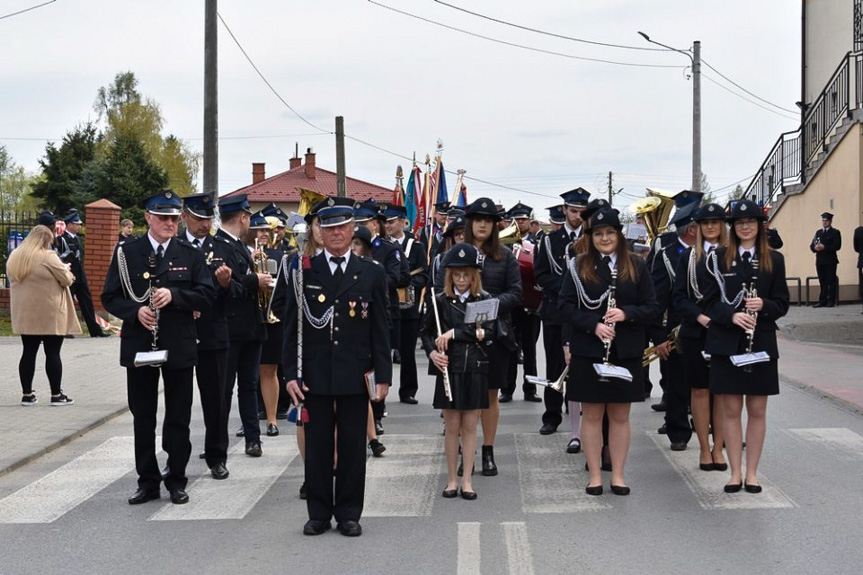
(488, 467)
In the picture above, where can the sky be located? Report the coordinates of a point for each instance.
(531, 122)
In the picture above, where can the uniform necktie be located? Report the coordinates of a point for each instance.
(338, 273)
(606, 260)
(196, 242)
(572, 236)
(160, 251)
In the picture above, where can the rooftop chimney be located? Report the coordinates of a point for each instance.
(310, 164)
(296, 162)
(259, 172)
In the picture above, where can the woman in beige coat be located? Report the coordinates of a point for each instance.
(42, 310)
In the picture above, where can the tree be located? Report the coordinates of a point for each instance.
(737, 193)
(63, 167)
(15, 186)
(126, 112)
(709, 196)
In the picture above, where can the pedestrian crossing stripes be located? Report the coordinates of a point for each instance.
(469, 549)
(403, 483)
(550, 482)
(50, 497)
(234, 497)
(707, 486)
(839, 440)
(519, 557)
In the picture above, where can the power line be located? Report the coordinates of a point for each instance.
(26, 10)
(703, 61)
(514, 45)
(552, 34)
(730, 91)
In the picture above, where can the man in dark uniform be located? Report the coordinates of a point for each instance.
(345, 340)
(409, 316)
(390, 256)
(824, 245)
(664, 266)
(858, 247)
(80, 288)
(549, 265)
(441, 209)
(245, 319)
(525, 321)
(212, 328)
(167, 273)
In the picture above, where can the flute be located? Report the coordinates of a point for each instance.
(446, 387)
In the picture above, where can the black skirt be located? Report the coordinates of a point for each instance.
(695, 368)
(271, 353)
(583, 383)
(469, 391)
(727, 379)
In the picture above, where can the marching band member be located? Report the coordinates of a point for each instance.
(454, 234)
(460, 350)
(415, 255)
(345, 342)
(744, 296)
(500, 278)
(588, 283)
(688, 301)
(158, 307)
(549, 266)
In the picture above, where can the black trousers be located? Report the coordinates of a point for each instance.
(53, 363)
(408, 382)
(142, 388)
(860, 282)
(210, 373)
(552, 341)
(346, 415)
(828, 283)
(677, 394)
(244, 360)
(81, 291)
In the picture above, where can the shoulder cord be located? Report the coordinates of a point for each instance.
(554, 267)
(126, 281)
(408, 246)
(316, 322)
(720, 281)
(668, 266)
(584, 300)
(693, 276)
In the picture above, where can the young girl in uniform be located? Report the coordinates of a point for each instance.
(461, 350)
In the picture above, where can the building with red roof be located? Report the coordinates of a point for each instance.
(284, 189)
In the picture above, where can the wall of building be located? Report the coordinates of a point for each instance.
(828, 36)
(837, 187)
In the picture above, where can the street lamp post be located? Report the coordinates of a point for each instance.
(695, 58)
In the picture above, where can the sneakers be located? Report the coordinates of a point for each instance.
(28, 400)
(61, 399)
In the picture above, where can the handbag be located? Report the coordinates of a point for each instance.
(505, 333)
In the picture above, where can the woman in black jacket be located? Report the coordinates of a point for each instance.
(501, 279)
(600, 330)
(461, 350)
(743, 321)
(688, 302)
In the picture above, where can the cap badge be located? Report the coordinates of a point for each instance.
(711, 209)
(600, 216)
(461, 253)
(169, 195)
(331, 202)
(484, 204)
(743, 208)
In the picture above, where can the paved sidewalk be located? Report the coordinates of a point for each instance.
(93, 377)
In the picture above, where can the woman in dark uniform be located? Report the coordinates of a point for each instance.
(461, 349)
(746, 262)
(583, 304)
(500, 278)
(688, 302)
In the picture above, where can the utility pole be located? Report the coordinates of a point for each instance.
(610, 189)
(211, 99)
(340, 156)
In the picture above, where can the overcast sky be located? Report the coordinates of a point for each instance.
(534, 121)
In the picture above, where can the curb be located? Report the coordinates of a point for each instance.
(819, 393)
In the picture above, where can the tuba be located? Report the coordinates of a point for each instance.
(509, 235)
(655, 209)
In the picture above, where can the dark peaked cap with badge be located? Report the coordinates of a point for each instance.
(576, 198)
(683, 216)
(336, 212)
(594, 206)
(165, 203)
(824, 216)
(709, 212)
(483, 207)
(556, 215)
(686, 197)
(73, 217)
(745, 209)
(461, 256)
(276, 211)
(520, 211)
(454, 226)
(200, 205)
(234, 204)
(608, 217)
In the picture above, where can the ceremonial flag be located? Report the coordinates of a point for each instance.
(461, 197)
(441, 194)
(423, 201)
(411, 195)
(398, 191)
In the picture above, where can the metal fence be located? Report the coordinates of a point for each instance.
(14, 227)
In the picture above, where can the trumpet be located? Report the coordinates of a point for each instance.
(556, 385)
(650, 354)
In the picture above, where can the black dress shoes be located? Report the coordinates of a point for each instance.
(409, 400)
(620, 489)
(468, 495)
(751, 488)
(662, 430)
(532, 397)
(166, 471)
(489, 468)
(253, 448)
(593, 490)
(733, 487)
(219, 471)
(505, 397)
(272, 430)
(178, 496)
(144, 495)
(678, 446)
(377, 448)
(574, 445)
(450, 493)
(350, 528)
(316, 527)
(547, 429)
(659, 406)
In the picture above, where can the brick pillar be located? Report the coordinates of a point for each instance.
(103, 226)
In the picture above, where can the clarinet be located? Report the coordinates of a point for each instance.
(152, 305)
(751, 292)
(612, 303)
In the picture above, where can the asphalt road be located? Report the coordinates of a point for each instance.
(66, 512)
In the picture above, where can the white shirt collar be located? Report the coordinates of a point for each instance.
(613, 257)
(156, 244)
(230, 235)
(461, 296)
(684, 244)
(569, 230)
(192, 239)
(740, 250)
(708, 246)
(332, 265)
